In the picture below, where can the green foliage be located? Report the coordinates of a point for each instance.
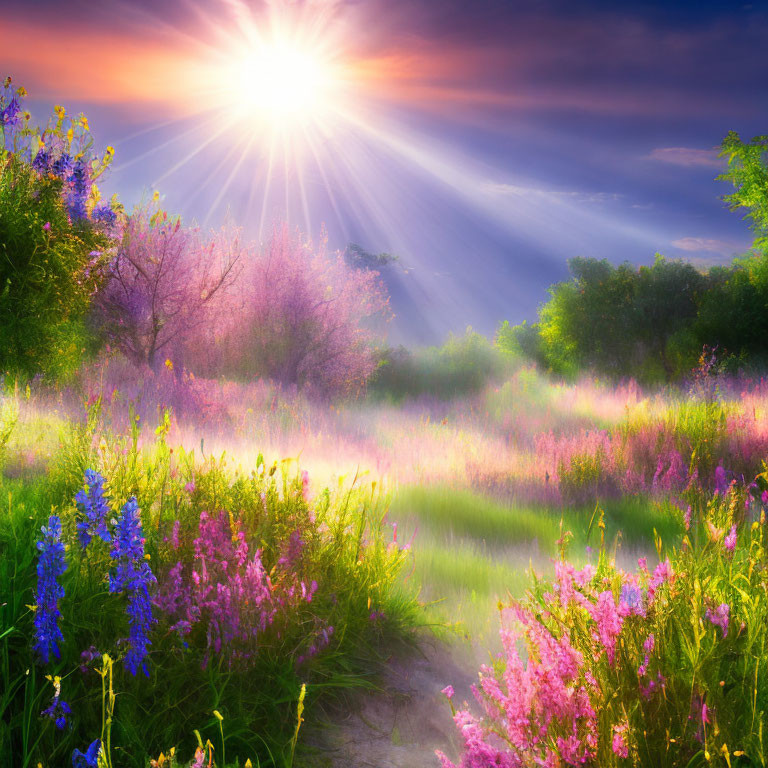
(651, 322)
(50, 259)
(461, 366)
(48, 272)
(748, 172)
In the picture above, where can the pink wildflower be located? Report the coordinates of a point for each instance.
(448, 692)
(47, 226)
(730, 540)
(720, 617)
(608, 620)
(619, 744)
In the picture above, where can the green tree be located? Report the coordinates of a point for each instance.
(748, 172)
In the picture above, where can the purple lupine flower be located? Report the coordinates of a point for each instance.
(42, 162)
(720, 617)
(50, 565)
(76, 194)
(729, 542)
(58, 710)
(94, 508)
(9, 115)
(103, 214)
(89, 758)
(62, 166)
(631, 600)
(133, 577)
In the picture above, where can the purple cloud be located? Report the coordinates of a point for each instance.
(687, 156)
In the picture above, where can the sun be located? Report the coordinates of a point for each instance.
(282, 81)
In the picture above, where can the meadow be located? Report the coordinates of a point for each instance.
(219, 528)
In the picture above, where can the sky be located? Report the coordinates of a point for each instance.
(483, 143)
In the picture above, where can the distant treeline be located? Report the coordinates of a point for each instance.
(652, 322)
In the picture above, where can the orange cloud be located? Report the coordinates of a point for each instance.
(72, 62)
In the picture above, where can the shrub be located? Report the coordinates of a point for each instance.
(463, 365)
(54, 237)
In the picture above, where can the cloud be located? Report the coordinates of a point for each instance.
(687, 156)
(707, 245)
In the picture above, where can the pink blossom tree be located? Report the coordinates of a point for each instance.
(306, 318)
(162, 285)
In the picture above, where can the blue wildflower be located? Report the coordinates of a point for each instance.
(89, 759)
(94, 508)
(9, 115)
(58, 710)
(62, 166)
(631, 599)
(42, 162)
(133, 576)
(50, 565)
(103, 214)
(78, 188)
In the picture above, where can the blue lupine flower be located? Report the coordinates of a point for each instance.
(58, 709)
(50, 565)
(9, 116)
(104, 215)
(62, 166)
(42, 162)
(133, 576)
(94, 508)
(632, 598)
(89, 759)
(78, 190)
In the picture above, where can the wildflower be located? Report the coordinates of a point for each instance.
(9, 115)
(608, 620)
(631, 600)
(619, 744)
(87, 656)
(58, 709)
(687, 518)
(721, 480)
(730, 540)
(103, 214)
(47, 226)
(649, 643)
(133, 576)
(89, 759)
(720, 617)
(51, 564)
(94, 508)
(448, 692)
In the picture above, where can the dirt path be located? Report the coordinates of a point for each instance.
(401, 725)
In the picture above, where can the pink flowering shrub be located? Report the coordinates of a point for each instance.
(660, 666)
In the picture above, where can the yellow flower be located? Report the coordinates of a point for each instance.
(21, 91)
(61, 113)
(169, 364)
(7, 81)
(84, 122)
(218, 714)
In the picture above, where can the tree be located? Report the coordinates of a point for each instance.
(748, 172)
(162, 284)
(308, 318)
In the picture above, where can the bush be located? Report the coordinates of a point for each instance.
(661, 666)
(463, 365)
(54, 237)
